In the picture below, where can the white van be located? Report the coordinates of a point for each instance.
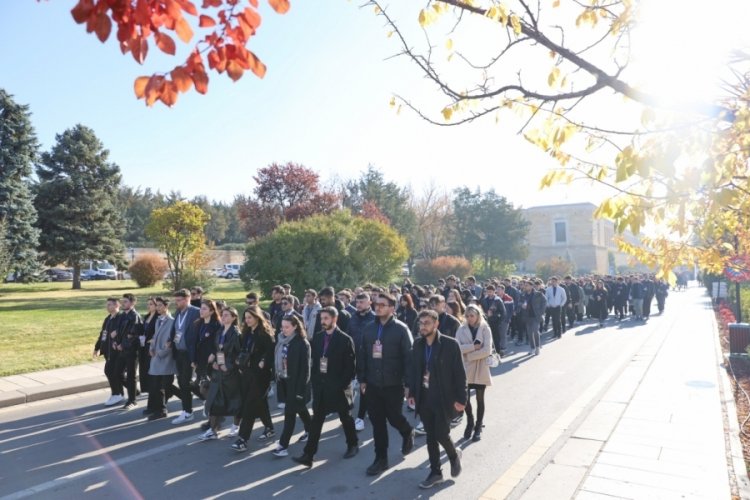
(230, 271)
(98, 270)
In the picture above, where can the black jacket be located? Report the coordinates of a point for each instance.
(393, 368)
(449, 324)
(449, 372)
(298, 373)
(357, 325)
(332, 391)
(104, 341)
(131, 326)
(409, 318)
(256, 347)
(206, 336)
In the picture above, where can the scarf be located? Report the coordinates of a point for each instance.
(278, 355)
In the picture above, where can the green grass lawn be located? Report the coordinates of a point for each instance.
(48, 325)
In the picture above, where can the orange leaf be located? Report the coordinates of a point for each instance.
(165, 43)
(183, 30)
(200, 79)
(181, 79)
(168, 93)
(280, 6)
(153, 89)
(256, 65)
(206, 21)
(103, 27)
(234, 70)
(252, 17)
(188, 7)
(140, 86)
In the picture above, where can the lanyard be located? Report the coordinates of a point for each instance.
(221, 339)
(427, 356)
(380, 331)
(326, 343)
(182, 315)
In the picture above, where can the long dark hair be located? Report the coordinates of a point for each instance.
(263, 327)
(235, 315)
(298, 325)
(212, 307)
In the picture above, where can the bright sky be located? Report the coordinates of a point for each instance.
(323, 103)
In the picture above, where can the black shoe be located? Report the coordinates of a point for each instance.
(351, 451)
(157, 416)
(379, 466)
(147, 412)
(456, 464)
(469, 429)
(477, 434)
(205, 426)
(433, 479)
(408, 445)
(240, 445)
(304, 459)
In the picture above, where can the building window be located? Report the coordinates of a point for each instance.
(561, 232)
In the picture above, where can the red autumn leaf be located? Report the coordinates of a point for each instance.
(173, 9)
(206, 21)
(234, 70)
(183, 30)
(200, 79)
(140, 86)
(256, 65)
(82, 11)
(251, 16)
(165, 43)
(188, 7)
(103, 27)
(181, 79)
(280, 6)
(168, 93)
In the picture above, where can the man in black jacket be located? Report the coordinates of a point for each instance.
(437, 389)
(106, 346)
(448, 323)
(382, 370)
(128, 332)
(333, 367)
(357, 324)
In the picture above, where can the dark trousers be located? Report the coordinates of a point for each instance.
(252, 411)
(660, 302)
(620, 311)
(362, 405)
(647, 300)
(184, 374)
(556, 323)
(290, 419)
(126, 363)
(316, 427)
(384, 403)
(144, 362)
(114, 377)
(160, 391)
(479, 390)
(437, 426)
(570, 312)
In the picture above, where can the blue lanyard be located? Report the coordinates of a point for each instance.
(380, 331)
(427, 356)
(221, 339)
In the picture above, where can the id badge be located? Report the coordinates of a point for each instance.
(177, 337)
(324, 365)
(377, 350)
(104, 335)
(426, 380)
(220, 358)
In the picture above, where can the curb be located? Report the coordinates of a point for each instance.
(50, 391)
(739, 480)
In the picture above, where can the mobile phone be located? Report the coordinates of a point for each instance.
(477, 341)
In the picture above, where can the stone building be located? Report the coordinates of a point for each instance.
(572, 233)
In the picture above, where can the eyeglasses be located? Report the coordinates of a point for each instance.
(285, 303)
(382, 304)
(250, 302)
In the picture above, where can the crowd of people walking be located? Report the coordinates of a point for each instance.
(430, 346)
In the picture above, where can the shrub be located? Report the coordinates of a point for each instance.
(148, 269)
(429, 271)
(556, 266)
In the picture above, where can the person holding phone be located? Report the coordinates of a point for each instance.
(474, 338)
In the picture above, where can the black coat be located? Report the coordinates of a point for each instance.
(408, 317)
(332, 391)
(256, 380)
(131, 326)
(224, 395)
(298, 373)
(449, 373)
(206, 340)
(393, 368)
(449, 324)
(103, 340)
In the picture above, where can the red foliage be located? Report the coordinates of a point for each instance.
(370, 210)
(284, 193)
(429, 271)
(224, 48)
(148, 270)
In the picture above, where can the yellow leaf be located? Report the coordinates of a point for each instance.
(553, 75)
(423, 18)
(393, 102)
(516, 23)
(390, 34)
(447, 113)
(449, 44)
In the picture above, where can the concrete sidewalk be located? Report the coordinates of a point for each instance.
(662, 427)
(35, 386)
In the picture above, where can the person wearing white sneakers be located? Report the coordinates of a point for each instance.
(224, 398)
(292, 362)
(184, 340)
(105, 346)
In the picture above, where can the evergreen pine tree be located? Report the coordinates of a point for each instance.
(77, 202)
(18, 151)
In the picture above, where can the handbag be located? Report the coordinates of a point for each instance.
(493, 360)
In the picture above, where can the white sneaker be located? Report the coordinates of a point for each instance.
(359, 424)
(281, 406)
(280, 451)
(184, 417)
(419, 429)
(234, 431)
(208, 435)
(113, 400)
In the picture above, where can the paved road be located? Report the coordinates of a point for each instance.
(74, 447)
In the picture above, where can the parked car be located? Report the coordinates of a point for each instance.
(56, 274)
(230, 271)
(98, 270)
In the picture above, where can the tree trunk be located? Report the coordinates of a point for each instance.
(76, 277)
